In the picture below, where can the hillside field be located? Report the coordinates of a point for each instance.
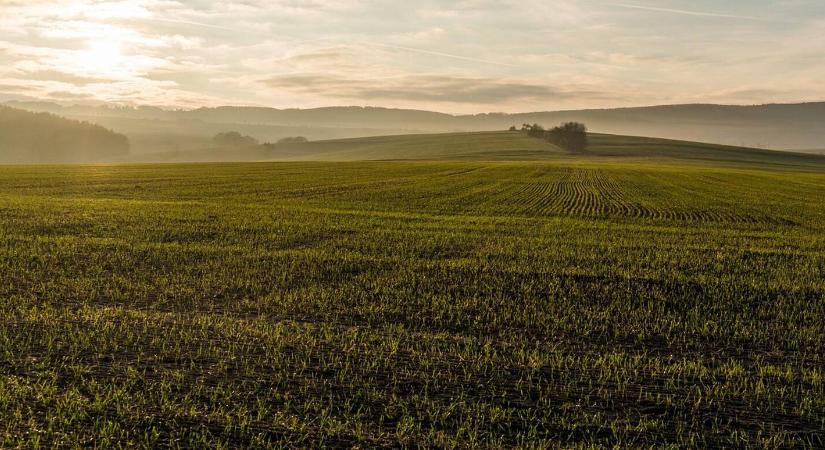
(578, 300)
(487, 146)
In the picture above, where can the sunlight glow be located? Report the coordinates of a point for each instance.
(504, 56)
(103, 58)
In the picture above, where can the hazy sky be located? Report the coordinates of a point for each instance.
(453, 56)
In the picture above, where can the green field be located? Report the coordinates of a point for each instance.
(649, 293)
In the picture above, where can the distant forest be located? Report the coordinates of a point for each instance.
(27, 137)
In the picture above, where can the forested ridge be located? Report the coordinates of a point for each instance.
(27, 137)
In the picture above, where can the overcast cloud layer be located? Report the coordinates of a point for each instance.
(456, 56)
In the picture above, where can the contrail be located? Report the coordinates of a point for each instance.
(186, 22)
(434, 53)
(685, 12)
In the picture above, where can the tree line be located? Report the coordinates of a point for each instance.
(236, 139)
(570, 136)
(46, 138)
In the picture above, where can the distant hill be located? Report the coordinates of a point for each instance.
(27, 137)
(780, 126)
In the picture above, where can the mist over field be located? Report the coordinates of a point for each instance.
(156, 134)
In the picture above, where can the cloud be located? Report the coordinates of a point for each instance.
(63, 77)
(465, 55)
(13, 88)
(65, 95)
(427, 88)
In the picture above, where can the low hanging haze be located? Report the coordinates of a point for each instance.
(453, 56)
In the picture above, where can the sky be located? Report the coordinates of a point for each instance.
(461, 56)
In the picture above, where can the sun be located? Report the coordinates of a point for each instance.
(101, 58)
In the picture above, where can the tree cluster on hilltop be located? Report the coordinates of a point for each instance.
(27, 137)
(234, 139)
(570, 136)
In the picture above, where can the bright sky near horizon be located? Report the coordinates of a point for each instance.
(453, 56)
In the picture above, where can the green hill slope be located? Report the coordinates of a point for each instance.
(607, 145)
(494, 146)
(516, 146)
(450, 146)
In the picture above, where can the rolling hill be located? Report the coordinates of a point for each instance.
(448, 146)
(608, 145)
(27, 137)
(492, 146)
